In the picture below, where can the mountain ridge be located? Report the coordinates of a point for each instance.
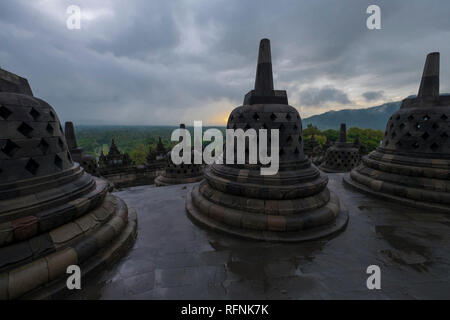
(368, 118)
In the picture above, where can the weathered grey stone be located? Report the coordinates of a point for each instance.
(42, 192)
(342, 156)
(41, 245)
(27, 277)
(10, 82)
(58, 262)
(230, 198)
(4, 281)
(179, 174)
(429, 85)
(412, 164)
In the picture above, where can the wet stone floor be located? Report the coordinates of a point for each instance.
(174, 259)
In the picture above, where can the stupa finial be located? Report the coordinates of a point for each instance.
(429, 86)
(69, 132)
(264, 76)
(264, 92)
(343, 133)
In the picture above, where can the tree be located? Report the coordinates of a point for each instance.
(332, 135)
(310, 130)
(139, 154)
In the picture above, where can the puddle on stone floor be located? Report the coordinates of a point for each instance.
(406, 247)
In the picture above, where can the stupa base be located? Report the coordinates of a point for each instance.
(197, 216)
(385, 196)
(98, 245)
(107, 257)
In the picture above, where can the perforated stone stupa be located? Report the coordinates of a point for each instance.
(412, 165)
(341, 156)
(157, 157)
(327, 145)
(52, 213)
(313, 150)
(179, 174)
(114, 160)
(293, 205)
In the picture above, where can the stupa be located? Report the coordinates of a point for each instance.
(88, 162)
(313, 150)
(52, 213)
(342, 156)
(158, 155)
(412, 165)
(328, 144)
(179, 174)
(292, 205)
(114, 160)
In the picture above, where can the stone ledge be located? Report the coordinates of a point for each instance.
(411, 203)
(93, 247)
(276, 236)
(102, 260)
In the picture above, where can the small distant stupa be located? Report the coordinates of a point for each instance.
(342, 156)
(179, 174)
(313, 150)
(157, 155)
(114, 159)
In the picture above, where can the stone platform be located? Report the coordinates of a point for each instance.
(173, 258)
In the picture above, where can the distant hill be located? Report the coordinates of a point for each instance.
(370, 118)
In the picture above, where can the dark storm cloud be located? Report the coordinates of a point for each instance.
(320, 96)
(373, 95)
(163, 62)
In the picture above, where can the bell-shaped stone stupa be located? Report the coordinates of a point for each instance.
(292, 205)
(342, 156)
(157, 156)
(312, 147)
(412, 165)
(52, 213)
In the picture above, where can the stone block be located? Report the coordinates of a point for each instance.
(59, 261)
(65, 233)
(25, 227)
(27, 277)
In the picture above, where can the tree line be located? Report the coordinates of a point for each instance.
(137, 140)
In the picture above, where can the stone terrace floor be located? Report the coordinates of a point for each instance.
(174, 259)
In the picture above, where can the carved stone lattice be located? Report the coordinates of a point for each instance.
(292, 205)
(342, 156)
(52, 214)
(412, 165)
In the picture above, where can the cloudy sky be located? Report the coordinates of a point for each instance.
(165, 62)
